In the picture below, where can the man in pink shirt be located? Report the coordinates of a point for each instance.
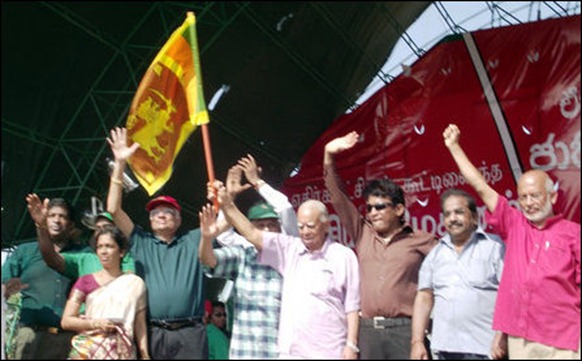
(320, 300)
(538, 302)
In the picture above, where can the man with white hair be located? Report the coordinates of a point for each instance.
(321, 281)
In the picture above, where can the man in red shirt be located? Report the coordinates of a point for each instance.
(538, 302)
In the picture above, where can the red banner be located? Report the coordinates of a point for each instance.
(513, 91)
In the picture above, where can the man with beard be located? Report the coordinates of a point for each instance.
(538, 303)
(457, 285)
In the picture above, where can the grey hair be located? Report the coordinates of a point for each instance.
(549, 185)
(319, 206)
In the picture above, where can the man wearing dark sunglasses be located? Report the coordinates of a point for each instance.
(390, 253)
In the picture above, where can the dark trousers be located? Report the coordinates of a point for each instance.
(442, 355)
(32, 344)
(390, 343)
(186, 343)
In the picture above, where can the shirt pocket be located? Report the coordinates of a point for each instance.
(481, 274)
(321, 283)
(553, 258)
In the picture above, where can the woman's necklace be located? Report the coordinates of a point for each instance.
(106, 277)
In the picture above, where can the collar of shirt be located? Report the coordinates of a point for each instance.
(320, 253)
(404, 232)
(550, 221)
(477, 235)
(173, 242)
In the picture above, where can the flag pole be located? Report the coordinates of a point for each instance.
(206, 142)
(209, 164)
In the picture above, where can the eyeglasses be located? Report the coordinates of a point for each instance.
(165, 210)
(378, 206)
(219, 314)
(534, 196)
(308, 225)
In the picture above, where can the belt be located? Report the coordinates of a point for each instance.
(47, 329)
(385, 322)
(175, 324)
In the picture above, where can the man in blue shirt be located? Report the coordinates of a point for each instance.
(458, 283)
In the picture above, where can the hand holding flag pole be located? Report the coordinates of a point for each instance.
(209, 164)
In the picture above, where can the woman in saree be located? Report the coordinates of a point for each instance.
(113, 326)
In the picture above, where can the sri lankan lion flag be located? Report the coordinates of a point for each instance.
(167, 107)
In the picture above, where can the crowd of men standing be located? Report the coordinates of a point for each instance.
(400, 293)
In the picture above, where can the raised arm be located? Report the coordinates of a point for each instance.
(346, 210)
(235, 217)
(278, 200)
(38, 212)
(121, 152)
(234, 184)
(488, 195)
(208, 230)
(338, 145)
(226, 235)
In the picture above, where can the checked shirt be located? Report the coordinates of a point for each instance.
(257, 302)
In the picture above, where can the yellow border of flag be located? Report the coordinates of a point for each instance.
(167, 107)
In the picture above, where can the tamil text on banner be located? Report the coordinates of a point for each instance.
(513, 91)
(167, 107)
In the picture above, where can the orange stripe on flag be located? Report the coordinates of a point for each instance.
(167, 107)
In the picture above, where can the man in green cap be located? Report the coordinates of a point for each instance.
(257, 302)
(263, 216)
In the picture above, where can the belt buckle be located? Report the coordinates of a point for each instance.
(169, 325)
(52, 330)
(377, 320)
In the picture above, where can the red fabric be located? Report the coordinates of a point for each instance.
(165, 200)
(534, 69)
(208, 307)
(539, 294)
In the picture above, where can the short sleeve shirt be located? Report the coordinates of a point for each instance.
(539, 295)
(43, 301)
(173, 274)
(324, 285)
